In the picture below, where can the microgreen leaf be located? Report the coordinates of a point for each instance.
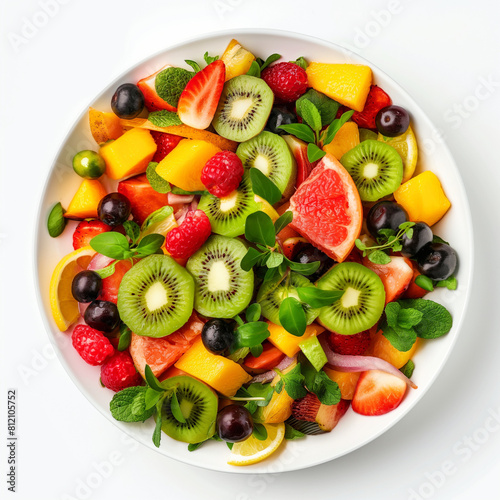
(132, 230)
(310, 115)
(327, 107)
(150, 244)
(250, 334)
(250, 259)
(111, 244)
(271, 273)
(283, 221)
(438, 239)
(274, 260)
(291, 433)
(164, 118)
(424, 282)
(450, 283)
(125, 337)
(178, 190)
(56, 221)
(210, 59)
(151, 380)
(408, 368)
(319, 383)
(314, 153)
(193, 64)
(269, 60)
(293, 382)
(300, 130)
(157, 431)
(130, 398)
(300, 62)
(107, 271)
(317, 298)
(253, 312)
(158, 183)
(254, 69)
(335, 126)
(264, 187)
(259, 228)
(152, 397)
(176, 409)
(305, 269)
(259, 432)
(256, 350)
(379, 257)
(292, 316)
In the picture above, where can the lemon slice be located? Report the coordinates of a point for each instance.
(64, 307)
(252, 450)
(406, 146)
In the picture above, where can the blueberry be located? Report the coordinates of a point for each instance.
(86, 286)
(385, 215)
(437, 261)
(309, 253)
(128, 101)
(114, 209)
(279, 116)
(422, 235)
(102, 315)
(392, 121)
(234, 423)
(217, 336)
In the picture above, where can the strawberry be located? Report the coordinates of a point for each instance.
(353, 345)
(377, 392)
(165, 143)
(91, 345)
(152, 100)
(198, 101)
(144, 200)
(183, 241)
(376, 100)
(222, 174)
(118, 372)
(287, 81)
(86, 230)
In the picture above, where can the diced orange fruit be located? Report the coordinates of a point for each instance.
(382, 348)
(104, 126)
(220, 373)
(183, 131)
(130, 154)
(345, 139)
(423, 198)
(84, 203)
(347, 84)
(183, 165)
(237, 59)
(346, 381)
(288, 343)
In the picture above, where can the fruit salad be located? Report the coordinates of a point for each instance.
(261, 264)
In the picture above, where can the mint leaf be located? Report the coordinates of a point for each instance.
(250, 259)
(193, 64)
(264, 187)
(157, 431)
(253, 312)
(310, 114)
(300, 130)
(56, 221)
(424, 282)
(379, 257)
(317, 298)
(327, 107)
(269, 60)
(335, 126)
(175, 408)
(408, 368)
(111, 244)
(392, 312)
(210, 59)
(132, 230)
(151, 380)
(301, 62)
(400, 338)
(122, 403)
(157, 216)
(259, 432)
(408, 318)
(150, 244)
(291, 433)
(170, 83)
(283, 221)
(254, 69)
(314, 153)
(259, 228)
(107, 271)
(436, 319)
(125, 337)
(164, 118)
(292, 316)
(293, 382)
(158, 183)
(327, 390)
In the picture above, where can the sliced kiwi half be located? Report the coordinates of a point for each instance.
(198, 405)
(376, 169)
(156, 296)
(272, 293)
(228, 215)
(222, 288)
(362, 303)
(244, 107)
(270, 154)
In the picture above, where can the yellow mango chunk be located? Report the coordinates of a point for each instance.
(423, 198)
(183, 165)
(347, 84)
(84, 203)
(345, 139)
(130, 154)
(104, 126)
(382, 348)
(220, 373)
(288, 343)
(345, 380)
(237, 59)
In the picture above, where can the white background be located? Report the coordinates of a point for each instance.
(447, 447)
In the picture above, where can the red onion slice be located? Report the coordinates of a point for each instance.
(268, 376)
(352, 364)
(177, 199)
(99, 261)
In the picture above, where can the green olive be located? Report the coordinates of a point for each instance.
(88, 164)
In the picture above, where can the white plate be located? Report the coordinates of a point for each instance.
(354, 430)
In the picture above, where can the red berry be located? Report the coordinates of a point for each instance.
(119, 372)
(222, 174)
(185, 240)
(165, 143)
(376, 100)
(353, 345)
(86, 230)
(287, 80)
(91, 345)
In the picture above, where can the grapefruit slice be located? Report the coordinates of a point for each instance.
(161, 353)
(327, 209)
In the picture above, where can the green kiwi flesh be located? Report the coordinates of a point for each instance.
(228, 215)
(375, 167)
(156, 296)
(272, 293)
(363, 301)
(198, 404)
(270, 154)
(244, 107)
(222, 288)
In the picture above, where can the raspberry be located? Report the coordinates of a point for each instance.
(287, 80)
(119, 372)
(183, 241)
(222, 174)
(354, 345)
(165, 143)
(91, 345)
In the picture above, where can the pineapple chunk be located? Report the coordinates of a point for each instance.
(288, 343)
(84, 203)
(345, 139)
(104, 126)
(237, 59)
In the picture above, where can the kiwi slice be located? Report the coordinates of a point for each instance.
(156, 296)
(222, 288)
(244, 107)
(198, 405)
(362, 303)
(271, 155)
(228, 215)
(272, 293)
(375, 167)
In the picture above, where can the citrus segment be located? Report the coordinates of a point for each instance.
(406, 146)
(62, 304)
(327, 209)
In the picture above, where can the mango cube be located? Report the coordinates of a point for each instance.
(347, 84)
(183, 165)
(84, 203)
(423, 198)
(288, 343)
(220, 373)
(237, 59)
(382, 348)
(104, 126)
(346, 381)
(345, 139)
(130, 154)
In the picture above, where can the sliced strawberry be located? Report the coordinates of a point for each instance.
(270, 357)
(198, 101)
(299, 151)
(352, 345)
(86, 230)
(152, 100)
(396, 276)
(376, 100)
(165, 143)
(111, 284)
(144, 200)
(377, 392)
